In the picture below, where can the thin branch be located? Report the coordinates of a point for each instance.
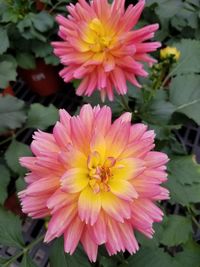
(24, 251)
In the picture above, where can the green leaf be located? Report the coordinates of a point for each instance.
(187, 17)
(4, 181)
(176, 230)
(7, 73)
(24, 26)
(185, 95)
(154, 242)
(159, 110)
(51, 60)
(168, 8)
(190, 57)
(150, 257)
(27, 262)
(58, 258)
(24, 23)
(10, 229)
(9, 58)
(12, 113)
(26, 60)
(44, 50)
(41, 117)
(3, 261)
(190, 256)
(112, 261)
(37, 35)
(133, 91)
(163, 132)
(20, 184)
(182, 194)
(41, 49)
(9, 15)
(184, 169)
(156, 257)
(49, 2)
(13, 153)
(178, 22)
(33, 25)
(4, 44)
(95, 99)
(108, 262)
(42, 21)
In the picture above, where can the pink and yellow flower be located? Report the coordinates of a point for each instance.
(101, 47)
(97, 180)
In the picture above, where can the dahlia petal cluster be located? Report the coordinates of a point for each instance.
(101, 47)
(97, 180)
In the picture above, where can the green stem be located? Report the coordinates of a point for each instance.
(164, 71)
(12, 137)
(24, 251)
(190, 211)
(151, 96)
(7, 139)
(56, 5)
(195, 222)
(125, 104)
(173, 72)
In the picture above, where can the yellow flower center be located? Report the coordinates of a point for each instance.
(99, 38)
(100, 174)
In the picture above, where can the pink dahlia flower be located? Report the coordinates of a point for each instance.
(97, 180)
(101, 47)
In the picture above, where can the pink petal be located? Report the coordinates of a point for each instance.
(83, 86)
(114, 242)
(74, 180)
(65, 118)
(60, 135)
(43, 186)
(79, 134)
(137, 131)
(123, 189)
(89, 246)
(98, 230)
(102, 120)
(89, 205)
(156, 159)
(120, 81)
(133, 14)
(116, 139)
(72, 235)
(87, 116)
(114, 207)
(128, 237)
(60, 199)
(125, 117)
(43, 142)
(138, 148)
(34, 206)
(150, 208)
(147, 47)
(60, 221)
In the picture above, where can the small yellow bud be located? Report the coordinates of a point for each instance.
(169, 52)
